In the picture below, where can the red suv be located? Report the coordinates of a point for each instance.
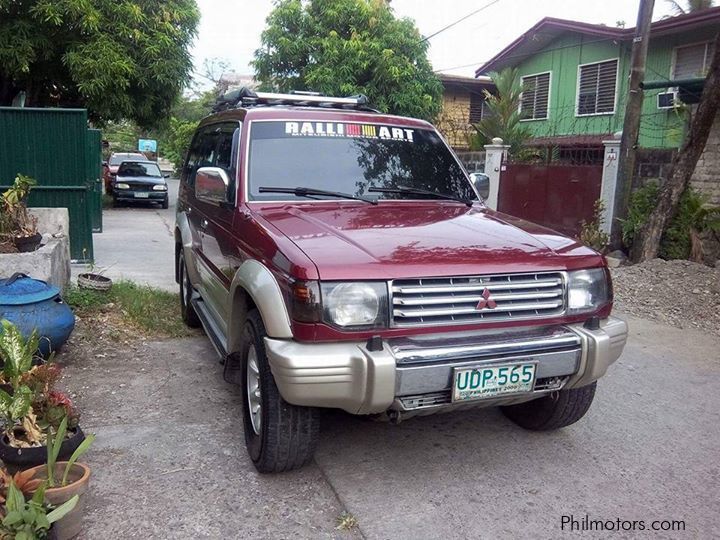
(341, 258)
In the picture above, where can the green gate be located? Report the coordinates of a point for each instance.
(53, 146)
(94, 176)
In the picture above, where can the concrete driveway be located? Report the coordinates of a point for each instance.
(170, 461)
(137, 243)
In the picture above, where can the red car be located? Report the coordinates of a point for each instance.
(342, 258)
(110, 168)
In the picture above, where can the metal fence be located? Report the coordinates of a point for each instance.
(55, 147)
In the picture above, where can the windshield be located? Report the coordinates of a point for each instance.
(117, 159)
(134, 168)
(351, 158)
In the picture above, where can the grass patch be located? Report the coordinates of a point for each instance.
(346, 521)
(153, 311)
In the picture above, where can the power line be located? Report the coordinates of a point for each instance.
(459, 21)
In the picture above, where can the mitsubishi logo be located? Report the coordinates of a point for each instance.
(486, 301)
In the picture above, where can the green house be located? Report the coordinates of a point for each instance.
(575, 79)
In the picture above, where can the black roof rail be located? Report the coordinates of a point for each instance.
(245, 97)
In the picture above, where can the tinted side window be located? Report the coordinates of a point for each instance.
(203, 152)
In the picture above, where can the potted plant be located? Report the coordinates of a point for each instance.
(30, 407)
(30, 519)
(94, 280)
(64, 480)
(16, 224)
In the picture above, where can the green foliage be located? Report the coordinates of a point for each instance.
(694, 216)
(591, 232)
(347, 47)
(30, 520)
(54, 445)
(118, 58)
(16, 352)
(14, 407)
(14, 217)
(79, 451)
(177, 140)
(503, 119)
(153, 311)
(642, 202)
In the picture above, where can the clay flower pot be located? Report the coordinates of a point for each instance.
(78, 480)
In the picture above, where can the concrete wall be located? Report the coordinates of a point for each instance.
(51, 262)
(706, 178)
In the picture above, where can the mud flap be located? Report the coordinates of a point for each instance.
(232, 372)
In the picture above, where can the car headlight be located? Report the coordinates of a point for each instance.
(588, 290)
(349, 305)
(121, 185)
(160, 187)
(354, 304)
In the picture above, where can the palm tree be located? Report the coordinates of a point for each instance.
(691, 6)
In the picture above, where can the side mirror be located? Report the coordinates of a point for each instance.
(481, 182)
(104, 163)
(212, 185)
(166, 175)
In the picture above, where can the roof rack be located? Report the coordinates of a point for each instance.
(245, 97)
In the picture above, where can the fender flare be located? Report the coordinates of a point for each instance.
(254, 280)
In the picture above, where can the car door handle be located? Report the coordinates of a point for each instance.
(204, 223)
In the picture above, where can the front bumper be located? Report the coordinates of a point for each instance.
(129, 195)
(415, 374)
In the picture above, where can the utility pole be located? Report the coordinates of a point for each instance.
(631, 123)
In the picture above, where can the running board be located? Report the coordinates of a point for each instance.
(211, 328)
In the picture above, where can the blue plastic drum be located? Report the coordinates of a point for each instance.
(29, 304)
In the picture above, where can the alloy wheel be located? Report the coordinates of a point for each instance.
(253, 390)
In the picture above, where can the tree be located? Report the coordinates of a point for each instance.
(646, 246)
(691, 6)
(118, 58)
(347, 47)
(503, 116)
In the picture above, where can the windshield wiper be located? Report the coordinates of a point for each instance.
(311, 192)
(418, 191)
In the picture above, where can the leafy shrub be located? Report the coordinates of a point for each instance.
(680, 239)
(642, 202)
(591, 232)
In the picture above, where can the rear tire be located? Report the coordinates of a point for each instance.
(553, 411)
(189, 316)
(279, 436)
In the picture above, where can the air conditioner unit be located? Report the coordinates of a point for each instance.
(666, 100)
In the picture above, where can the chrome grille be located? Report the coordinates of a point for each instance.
(429, 301)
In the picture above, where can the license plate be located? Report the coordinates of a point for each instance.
(142, 195)
(492, 381)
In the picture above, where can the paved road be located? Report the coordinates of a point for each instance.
(137, 244)
(170, 461)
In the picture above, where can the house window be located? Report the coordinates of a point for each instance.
(692, 60)
(596, 88)
(476, 107)
(535, 96)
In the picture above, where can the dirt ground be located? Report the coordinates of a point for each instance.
(682, 294)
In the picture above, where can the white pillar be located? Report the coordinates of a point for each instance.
(495, 154)
(609, 180)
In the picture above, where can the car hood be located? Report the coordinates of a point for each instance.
(400, 240)
(140, 179)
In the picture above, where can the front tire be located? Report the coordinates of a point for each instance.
(165, 204)
(279, 436)
(187, 311)
(553, 411)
